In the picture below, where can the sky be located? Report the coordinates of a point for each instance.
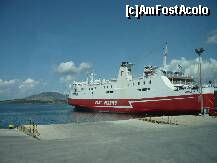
(45, 44)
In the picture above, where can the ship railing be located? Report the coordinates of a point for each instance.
(179, 75)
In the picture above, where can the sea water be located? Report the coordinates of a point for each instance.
(19, 114)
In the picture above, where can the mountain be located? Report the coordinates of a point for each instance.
(47, 96)
(44, 97)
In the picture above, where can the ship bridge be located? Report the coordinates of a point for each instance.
(125, 71)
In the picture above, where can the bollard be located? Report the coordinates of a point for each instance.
(33, 128)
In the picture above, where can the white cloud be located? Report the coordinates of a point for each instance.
(68, 70)
(66, 67)
(190, 67)
(70, 67)
(28, 84)
(5, 83)
(15, 88)
(67, 79)
(212, 37)
(84, 67)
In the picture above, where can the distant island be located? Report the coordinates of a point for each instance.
(42, 98)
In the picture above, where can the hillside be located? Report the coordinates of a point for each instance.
(47, 96)
(44, 97)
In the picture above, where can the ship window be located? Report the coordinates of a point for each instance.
(138, 83)
(91, 88)
(150, 82)
(144, 82)
(104, 87)
(95, 87)
(145, 89)
(122, 73)
(109, 91)
(107, 86)
(133, 84)
(139, 89)
(92, 92)
(111, 86)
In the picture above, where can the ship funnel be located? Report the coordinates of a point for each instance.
(125, 72)
(128, 65)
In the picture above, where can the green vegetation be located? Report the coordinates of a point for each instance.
(42, 98)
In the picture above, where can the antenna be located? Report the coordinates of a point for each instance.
(165, 53)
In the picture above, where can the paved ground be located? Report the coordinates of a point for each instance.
(123, 141)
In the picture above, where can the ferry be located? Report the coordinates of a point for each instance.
(155, 91)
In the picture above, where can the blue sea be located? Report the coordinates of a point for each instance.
(19, 114)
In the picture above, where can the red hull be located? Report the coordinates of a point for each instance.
(171, 104)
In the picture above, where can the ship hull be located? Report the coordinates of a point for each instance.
(183, 104)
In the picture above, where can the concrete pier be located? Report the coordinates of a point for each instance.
(118, 141)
